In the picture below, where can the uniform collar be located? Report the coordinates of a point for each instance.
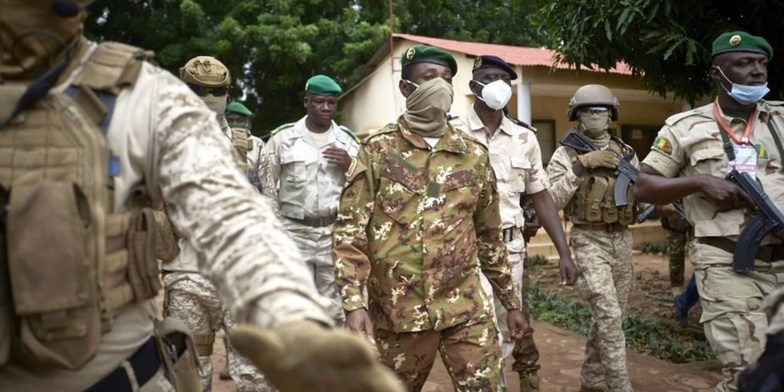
(476, 124)
(301, 131)
(451, 140)
(763, 112)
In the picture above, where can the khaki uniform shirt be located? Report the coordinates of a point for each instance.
(564, 183)
(306, 185)
(167, 139)
(517, 161)
(689, 144)
(412, 222)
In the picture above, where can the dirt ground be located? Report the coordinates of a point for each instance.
(650, 293)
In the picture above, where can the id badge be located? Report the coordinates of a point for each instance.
(745, 160)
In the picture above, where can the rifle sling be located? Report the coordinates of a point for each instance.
(767, 253)
(776, 138)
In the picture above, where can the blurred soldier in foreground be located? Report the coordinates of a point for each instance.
(98, 134)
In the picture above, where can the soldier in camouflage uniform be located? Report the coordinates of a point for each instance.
(420, 206)
(189, 296)
(688, 161)
(583, 185)
(517, 163)
(164, 142)
(677, 237)
(307, 170)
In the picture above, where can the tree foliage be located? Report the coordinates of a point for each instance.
(273, 46)
(666, 41)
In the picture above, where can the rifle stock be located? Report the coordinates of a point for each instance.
(767, 219)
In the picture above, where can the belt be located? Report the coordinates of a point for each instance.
(608, 227)
(768, 253)
(315, 221)
(144, 362)
(509, 234)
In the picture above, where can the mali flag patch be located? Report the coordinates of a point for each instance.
(762, 153)
(663, 145)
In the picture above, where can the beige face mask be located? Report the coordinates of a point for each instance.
(427, 106)
(596, 124)
(216, 104)
(32, 37)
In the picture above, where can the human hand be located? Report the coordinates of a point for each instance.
(597, 159)
(337, 156)
(358, 321)
(568, 270)
(518, 327)
(724, 194)
(306, 356)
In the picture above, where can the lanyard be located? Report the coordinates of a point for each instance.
(728, 130)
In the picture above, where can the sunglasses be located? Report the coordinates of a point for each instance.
(204, 91)
(594, 110)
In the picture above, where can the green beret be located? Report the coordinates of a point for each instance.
(322, 85)
(238, 109)
(740, 41)
(429, 54)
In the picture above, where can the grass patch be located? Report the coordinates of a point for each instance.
(644, 335)
(535, 260)
(653, 248)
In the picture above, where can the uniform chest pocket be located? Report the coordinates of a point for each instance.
(401, 187)
(520, 167)
(709, 161)
(293, 167)
(461, 189)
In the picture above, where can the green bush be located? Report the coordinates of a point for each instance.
(535, 260)
(644, 335)
(654, 248)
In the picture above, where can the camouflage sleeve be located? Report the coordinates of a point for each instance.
(667, 156)
(349, 234)
(270, 173)
(491, 249)
(268, 186)
(242, 248)
(563, 182)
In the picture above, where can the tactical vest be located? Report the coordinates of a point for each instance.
(594, 201)
(69, 263)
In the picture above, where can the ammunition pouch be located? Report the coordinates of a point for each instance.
(204, 344)
(178, 354)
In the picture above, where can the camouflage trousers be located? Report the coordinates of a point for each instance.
(315, 246)
(193, 299)
(471, 354)
(733, 319)
(677, 237)
(525, 352)
(604, 261)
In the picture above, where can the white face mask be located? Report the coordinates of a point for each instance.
(496, 94)
(216, 104)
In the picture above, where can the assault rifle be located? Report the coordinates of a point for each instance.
(626, 173)
(767, 219)
(646, 213)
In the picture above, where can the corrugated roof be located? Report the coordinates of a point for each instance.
(515, 55)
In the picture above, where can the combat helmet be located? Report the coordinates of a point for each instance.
(593, 95)
(205, 71)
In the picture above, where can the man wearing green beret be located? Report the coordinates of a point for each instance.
(420, 207)
(307, 171)
(689, 159)
(239, 118)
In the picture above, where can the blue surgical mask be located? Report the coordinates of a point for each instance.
(744, 94)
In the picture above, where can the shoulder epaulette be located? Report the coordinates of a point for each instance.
(350, 133)
(675, 118)
(281, 128)
(391, 127)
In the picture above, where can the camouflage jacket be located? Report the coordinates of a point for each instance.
(411, 224)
